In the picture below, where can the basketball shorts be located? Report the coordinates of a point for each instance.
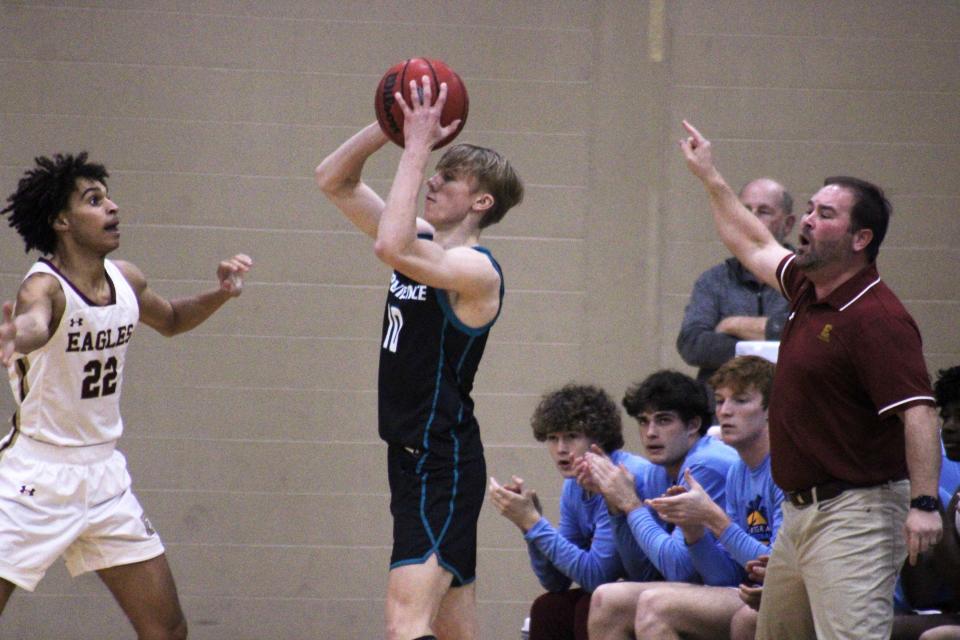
(435, 502)
(69, 501)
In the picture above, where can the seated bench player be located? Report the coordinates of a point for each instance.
(722, 542)
(673, 412)
(580, 549)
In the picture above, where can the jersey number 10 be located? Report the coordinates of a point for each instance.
(394, 324)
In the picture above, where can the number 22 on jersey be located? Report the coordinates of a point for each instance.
(101, 378)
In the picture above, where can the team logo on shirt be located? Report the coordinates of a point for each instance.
(27, 491)
(825, 333)
(758, 524)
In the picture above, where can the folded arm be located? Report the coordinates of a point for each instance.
(699, 343)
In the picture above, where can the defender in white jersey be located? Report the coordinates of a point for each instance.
(64, 487)
(86, 353)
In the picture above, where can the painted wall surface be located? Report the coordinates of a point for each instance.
(252, 440)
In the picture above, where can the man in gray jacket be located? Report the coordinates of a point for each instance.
(728, 304)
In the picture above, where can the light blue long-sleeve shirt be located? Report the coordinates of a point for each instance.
(581, 548)
(642, 533)
(753, 504)
(949, 477)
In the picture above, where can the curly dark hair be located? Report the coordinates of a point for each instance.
(947, 387)
(667, 390)
(581, 408)
(43, 192)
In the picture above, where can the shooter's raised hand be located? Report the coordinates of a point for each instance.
(421, 120)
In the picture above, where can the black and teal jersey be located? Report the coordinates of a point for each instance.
(428, 359)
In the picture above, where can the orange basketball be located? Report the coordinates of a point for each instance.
(398, 77)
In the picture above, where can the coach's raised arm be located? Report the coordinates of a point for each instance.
(745, 236)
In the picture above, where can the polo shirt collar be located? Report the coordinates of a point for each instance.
(848, 292)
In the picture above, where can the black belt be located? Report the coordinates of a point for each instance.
(818, 493)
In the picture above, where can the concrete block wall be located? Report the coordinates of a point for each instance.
(252, 440)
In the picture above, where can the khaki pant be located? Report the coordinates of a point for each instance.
(833, 567)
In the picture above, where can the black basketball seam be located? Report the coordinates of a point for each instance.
(403, 81)
(387, 101)
(466, 99)
(436, 82)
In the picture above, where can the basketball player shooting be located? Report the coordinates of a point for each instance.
(445, 294)
(64, 488)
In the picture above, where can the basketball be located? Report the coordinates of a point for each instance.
(398, 77)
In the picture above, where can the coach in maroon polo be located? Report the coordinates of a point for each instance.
(853, 432)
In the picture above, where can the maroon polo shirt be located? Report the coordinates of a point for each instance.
(848, 364)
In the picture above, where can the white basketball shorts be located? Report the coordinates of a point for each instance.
(69, 501)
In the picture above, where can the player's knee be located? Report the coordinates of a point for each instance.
(606, 606)
(743, 625)
(597, 607)
(401, 626)
(652, 609)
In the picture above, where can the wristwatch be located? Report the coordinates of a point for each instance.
(925, 503)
